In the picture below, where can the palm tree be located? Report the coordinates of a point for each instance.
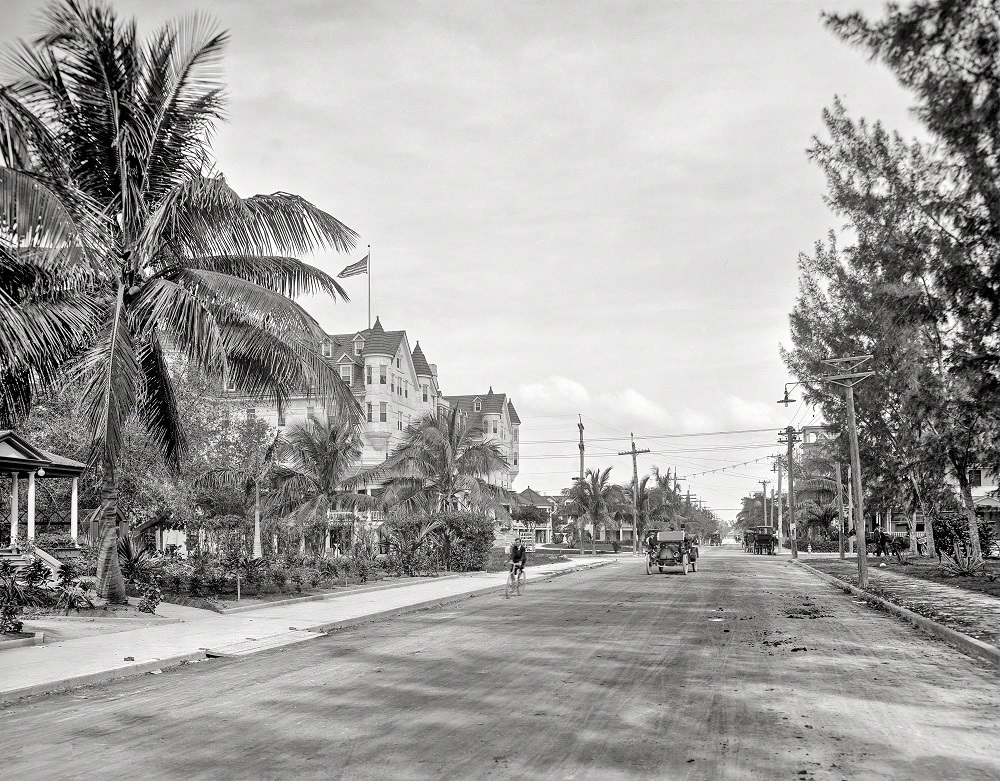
(653, 507)
(247, 479)
(442, 464)
(595, 497)
(315, 473)
(119, 249)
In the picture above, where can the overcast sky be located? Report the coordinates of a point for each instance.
(595, 207)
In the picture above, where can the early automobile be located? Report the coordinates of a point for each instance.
(670, 549)
(764, 541)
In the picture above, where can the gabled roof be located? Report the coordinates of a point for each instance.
(536, 499)
(378, 341)
(420, 365)
(492, 403)
(19, 455)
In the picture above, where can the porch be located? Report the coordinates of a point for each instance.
(23, 464)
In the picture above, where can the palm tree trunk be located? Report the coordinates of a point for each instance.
(110, 583)
(258, 548)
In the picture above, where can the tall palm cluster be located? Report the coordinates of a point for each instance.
(121, 247)
(653, 503)
(442, 464)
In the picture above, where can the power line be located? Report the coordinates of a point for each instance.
(651, 436)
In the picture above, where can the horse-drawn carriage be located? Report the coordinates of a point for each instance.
(670, 549)
(760, 540)
(715, 539)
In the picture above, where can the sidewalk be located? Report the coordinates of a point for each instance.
(959, 612)
(196, 635)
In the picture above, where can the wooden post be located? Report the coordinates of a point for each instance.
(74, 512)
(859, 500)
(31, 505)
(792, 528)
(15, 506)
(840, 509)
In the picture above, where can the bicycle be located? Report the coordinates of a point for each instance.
(515, 581)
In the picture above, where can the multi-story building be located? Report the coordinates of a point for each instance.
(494, 414)
(395, 385)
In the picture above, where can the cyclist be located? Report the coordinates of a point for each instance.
(518, 556)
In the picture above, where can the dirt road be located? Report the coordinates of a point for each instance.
(748, 669)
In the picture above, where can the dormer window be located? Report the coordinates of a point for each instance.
(359, 345)
(477, 405)
(327, 349)
(345, 373)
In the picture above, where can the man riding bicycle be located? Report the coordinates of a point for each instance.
(518, 556)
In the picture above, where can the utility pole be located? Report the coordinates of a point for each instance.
(635, 491)
(848, 379)
(840, 508)
(790, 439)
(777, 468)
(763, 498)
(580, 426)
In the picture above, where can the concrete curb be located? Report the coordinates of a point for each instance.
(317, 597)
(101, 676)
(416, 607)
(968, 645)
(130, 670)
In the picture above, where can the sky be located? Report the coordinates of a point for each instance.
(594, 207)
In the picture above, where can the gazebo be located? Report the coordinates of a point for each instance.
(20, 460)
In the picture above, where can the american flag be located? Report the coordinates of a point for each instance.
(361, 267)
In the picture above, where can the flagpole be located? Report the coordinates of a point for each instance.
(369, 286)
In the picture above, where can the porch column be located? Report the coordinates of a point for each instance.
(14, 505)
(31, 505)
(74, 516)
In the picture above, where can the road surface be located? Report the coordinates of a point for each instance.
(748, 669)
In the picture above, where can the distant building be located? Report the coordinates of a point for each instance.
(396, 385)
(542, 533)
(495, 415)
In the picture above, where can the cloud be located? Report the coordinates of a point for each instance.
(743, 413)
(553, 395)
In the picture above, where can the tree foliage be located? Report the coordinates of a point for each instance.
(121, 246)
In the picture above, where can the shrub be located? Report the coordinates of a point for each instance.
(49, 540)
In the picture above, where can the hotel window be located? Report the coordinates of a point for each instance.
(368, 375)
(327, 349)
(345, 373)
(478, 406)
(397, 362)
(515, 460)
(494, 427)
(381, 375)
(392, 384)
(975, 478)
(358, 347)
(371, 413)
(406, 390)
(383, 412)
(423, 388)
(399, 421)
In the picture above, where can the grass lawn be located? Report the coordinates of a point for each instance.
(924, 569)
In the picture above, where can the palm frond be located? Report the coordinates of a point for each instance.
(205, 217)
(157, 407)
(112, 379)
(169, 307)
(285, 276)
